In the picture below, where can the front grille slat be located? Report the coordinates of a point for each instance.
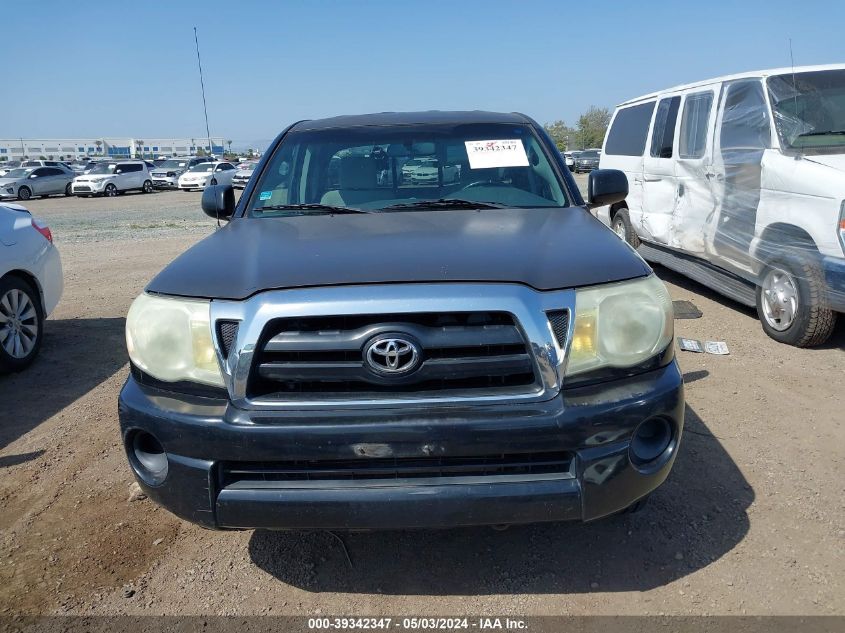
(459, 352)
(440, 469)
(429, 337)
(432, 369)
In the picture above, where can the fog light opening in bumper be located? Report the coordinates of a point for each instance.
(650, 441)
(147, 457)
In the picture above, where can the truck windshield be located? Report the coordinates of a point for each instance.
(809, 110)
(407, 167)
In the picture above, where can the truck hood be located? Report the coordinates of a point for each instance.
(546, 249)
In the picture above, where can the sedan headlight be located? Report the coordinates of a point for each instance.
(620, 325)
(170, 339)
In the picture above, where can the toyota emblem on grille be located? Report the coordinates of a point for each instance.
(392, 355)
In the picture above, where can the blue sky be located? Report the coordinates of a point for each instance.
(89, 68)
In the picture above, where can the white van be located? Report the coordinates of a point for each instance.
(739, 183)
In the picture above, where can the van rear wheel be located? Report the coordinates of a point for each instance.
(792, 301)
(621, 225)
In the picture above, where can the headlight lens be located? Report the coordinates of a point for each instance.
(620, 325)
(170, 339)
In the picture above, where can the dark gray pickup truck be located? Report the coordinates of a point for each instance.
(360, 348)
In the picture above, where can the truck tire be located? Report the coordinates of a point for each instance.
(792, 300)
(22, 326)
(621, 225)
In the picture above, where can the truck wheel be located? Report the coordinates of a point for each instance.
(621, 225)
(21, 324)
(24, 193)
(792, 301)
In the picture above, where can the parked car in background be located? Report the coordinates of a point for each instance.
(24, 183)
(482, 352)
(570, 157)
(204, 174)
(79, 166)
(166, 175)
(429, 173)
(242, 174)
(114, 177)
(587, 161)
(738, 182)
(8, 165)
(30, 285)
(46, 163)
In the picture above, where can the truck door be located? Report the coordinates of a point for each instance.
(660, 186)
(743, 133)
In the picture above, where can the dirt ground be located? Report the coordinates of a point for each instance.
(751, 520)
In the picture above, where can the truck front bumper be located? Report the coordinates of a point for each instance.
(223, 465)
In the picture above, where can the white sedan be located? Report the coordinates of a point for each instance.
(204, 174)
(30, 285)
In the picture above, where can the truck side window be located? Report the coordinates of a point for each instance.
(664, 127)
(694, 124)
(629, 130)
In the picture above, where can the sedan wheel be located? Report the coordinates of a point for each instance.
(20, 325)
(24, 193)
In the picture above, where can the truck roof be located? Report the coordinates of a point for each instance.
(412, 118)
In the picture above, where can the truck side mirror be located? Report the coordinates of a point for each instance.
(218, 201)
(606, 186)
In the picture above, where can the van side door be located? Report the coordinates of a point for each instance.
(743, 133)
(623, 149)
(660, 186)
(695, 202)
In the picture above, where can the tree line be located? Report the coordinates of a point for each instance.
(588, 131)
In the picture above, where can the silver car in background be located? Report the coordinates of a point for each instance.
(166, 175)
(24, 183)
(30, 285)
(243, 174)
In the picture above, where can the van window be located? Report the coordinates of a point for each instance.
(745, 119)
(664, 127)
(694, 124)
(629, 130)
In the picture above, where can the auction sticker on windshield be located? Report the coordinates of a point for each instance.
(499, 153)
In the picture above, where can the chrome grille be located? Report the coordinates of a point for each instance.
(460, 352)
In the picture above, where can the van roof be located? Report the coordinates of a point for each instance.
(746, 75)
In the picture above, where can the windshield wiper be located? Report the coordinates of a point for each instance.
(310, 206)
(825, 133)
(444, 203)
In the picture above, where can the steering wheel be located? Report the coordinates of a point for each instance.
(487, 183)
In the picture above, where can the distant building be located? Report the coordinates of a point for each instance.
(69, 149)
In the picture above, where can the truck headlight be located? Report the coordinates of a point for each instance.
(620, 325)
(170, 339)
